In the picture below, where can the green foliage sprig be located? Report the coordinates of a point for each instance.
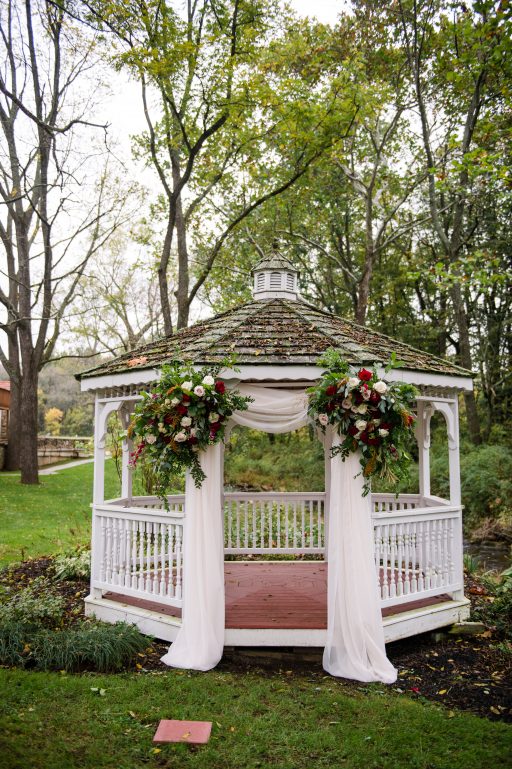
(185, 412)
(372, 416)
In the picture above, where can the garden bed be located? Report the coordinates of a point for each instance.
(469, 673)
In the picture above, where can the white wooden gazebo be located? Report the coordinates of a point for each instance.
(137, 545)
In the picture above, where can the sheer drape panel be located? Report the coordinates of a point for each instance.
(200, 640)
(355, 637)
(273, 410)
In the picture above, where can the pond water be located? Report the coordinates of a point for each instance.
(491, 555)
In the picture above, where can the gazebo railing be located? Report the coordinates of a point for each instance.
(138, 545)
(138, 550)
(272, 522)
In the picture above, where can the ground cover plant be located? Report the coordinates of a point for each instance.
(284, 719)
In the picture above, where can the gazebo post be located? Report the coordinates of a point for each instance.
(125, 414)
(327, 442)
(425, 411)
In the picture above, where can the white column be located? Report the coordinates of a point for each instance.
(98, 495)
(327, 443)
(127, 447)
(425, 411)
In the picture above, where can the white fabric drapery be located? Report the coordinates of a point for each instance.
(273, 410)
(355, 637)
(200, 640)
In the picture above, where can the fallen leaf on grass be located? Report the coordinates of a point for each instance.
(442, 691)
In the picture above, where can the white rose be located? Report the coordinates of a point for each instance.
(161, 427)
(199, 391)
(180, 437)
(167, 402)
(380, 387)
(150, 438)
(366, 395)
(186, 385)
(193, 431)
(214, 417)
(362, 409)
(323, 419)
(353, 382)
(383, 433)
(208, 380)
(360, 424)
(346, 402)
(175, 401)
(186, 422)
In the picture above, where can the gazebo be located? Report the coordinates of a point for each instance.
(164, 570)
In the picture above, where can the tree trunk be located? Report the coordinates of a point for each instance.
(466, 361)
(13, 435)
(364, 285)
(28, 426)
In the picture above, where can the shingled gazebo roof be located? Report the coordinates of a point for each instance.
(277, 332)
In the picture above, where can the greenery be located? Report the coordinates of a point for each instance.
(370, 415)
(36, 604)
(73, 565)
(291, 722)
(185, 412)
(53, 516)
(93, 646)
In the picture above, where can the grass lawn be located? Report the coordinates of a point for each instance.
(51, 516)
(270, 720)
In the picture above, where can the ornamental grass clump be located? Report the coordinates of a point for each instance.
(371, 415)
(185, 412)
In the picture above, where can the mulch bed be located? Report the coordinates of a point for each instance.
(470, 673)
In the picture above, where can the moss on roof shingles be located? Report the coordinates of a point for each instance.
(275, 332)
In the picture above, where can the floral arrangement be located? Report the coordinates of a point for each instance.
(185, 412)
(373, 416)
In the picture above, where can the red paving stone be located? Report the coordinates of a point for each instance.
(193, 732)
(273, 594)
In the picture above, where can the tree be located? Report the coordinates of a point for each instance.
(53, 420)
(459, 58)
(55, 213)
(117, 305)
(225, 97)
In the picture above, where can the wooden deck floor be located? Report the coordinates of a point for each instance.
(281, 595)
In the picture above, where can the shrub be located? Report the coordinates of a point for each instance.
(75, 565)
(35, 604)
(486, 479)
(92, 646)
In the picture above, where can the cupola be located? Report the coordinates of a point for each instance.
(275, 277)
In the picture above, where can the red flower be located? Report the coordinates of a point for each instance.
(386, 425)
(215, 426)
(330, 407)
(358, 398)
(374, 441)
(365, 375)
(352, 430)
(331, 390)
(192, 440)
(182, 410)
(186, 399)
(410, 419)
(374, 397)
(168, 419)
(220, 387)
(364, 437)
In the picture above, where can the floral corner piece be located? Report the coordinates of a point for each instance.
(185, 412)
(371, 415)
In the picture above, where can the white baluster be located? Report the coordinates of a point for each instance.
(385, 574)
(179, 539)
(103, 563)
(108, 547)
(400, 560)
(393, 570)
(141, 555)
(246, 525)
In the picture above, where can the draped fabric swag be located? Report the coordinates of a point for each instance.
(355, 639)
